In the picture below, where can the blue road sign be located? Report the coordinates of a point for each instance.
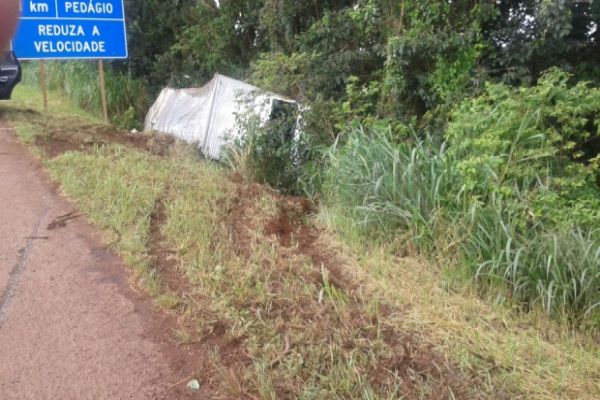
(65, 29)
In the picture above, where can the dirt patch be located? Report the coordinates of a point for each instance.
(59, 135)
(408, 359)
(158, 143)
(55, 146)
(290, 226)
(417, 362)
(164, 259)
(57, 141)
(195, 357)
(239, 222)
(293, 229)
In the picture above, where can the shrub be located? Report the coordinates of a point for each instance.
(543, 141)
(557, 270)
(513, 195)
(273, 152)
(390, 185)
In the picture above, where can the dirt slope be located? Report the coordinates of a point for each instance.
(70, 325)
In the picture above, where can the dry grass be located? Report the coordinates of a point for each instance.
(512, 354)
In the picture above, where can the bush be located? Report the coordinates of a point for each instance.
(543, 141)
(513, 195)
(275, 153)
(390, 185)
(557, 270)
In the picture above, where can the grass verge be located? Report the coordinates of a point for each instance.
(514, 354)
(275, 307)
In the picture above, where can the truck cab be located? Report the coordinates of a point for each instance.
(10, 74)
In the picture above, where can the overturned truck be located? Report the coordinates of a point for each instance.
(209, 115)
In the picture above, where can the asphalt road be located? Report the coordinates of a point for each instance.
(71, 326)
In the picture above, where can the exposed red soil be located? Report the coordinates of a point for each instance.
(164, 259)
(55, 141)
(410, 358)
(58, 135)
(198, 360)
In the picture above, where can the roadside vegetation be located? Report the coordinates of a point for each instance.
(435, 231)
(509, 196)
(127, 98)
(484, 154)
(273, 304)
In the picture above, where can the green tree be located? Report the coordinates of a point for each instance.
(528, 37)
(152, 28)
(215, 38)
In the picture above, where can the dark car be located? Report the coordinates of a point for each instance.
(10, 74)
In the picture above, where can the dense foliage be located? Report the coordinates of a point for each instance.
(363, 60)
(469, 128)
(383, 58)
(507, 196)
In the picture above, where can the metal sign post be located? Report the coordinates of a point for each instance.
(43, 85)
(72, 30)
(103, 91)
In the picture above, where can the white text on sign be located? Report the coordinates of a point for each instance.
(73, 30)
(81, 7)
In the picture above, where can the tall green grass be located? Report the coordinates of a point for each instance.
(412, 190)
(127, 98)
(391, 186)
(556, 270)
